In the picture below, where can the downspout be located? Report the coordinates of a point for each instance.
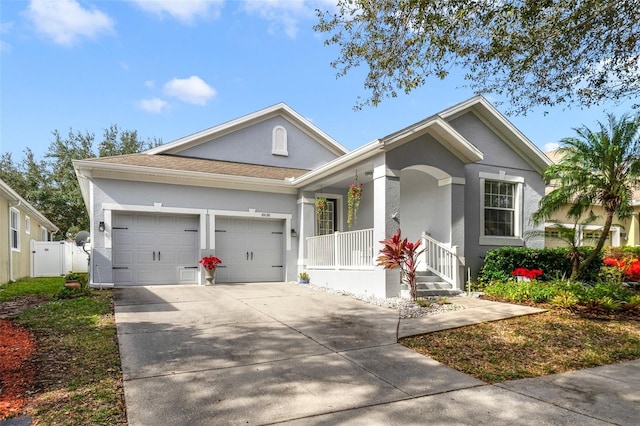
(14, 204)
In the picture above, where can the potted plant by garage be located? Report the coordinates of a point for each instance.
(209, 263)
(73, 280)
(304, 278)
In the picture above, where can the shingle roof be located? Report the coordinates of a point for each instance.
(174, 162)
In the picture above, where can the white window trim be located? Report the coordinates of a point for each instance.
(27, 225)
(11, 229)
(339, 207)
(493, 240)
(275, 149)
(44, 234)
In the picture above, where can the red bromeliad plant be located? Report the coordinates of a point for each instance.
(531, 274)
(630, 269)
(210, 262)
(398, 252)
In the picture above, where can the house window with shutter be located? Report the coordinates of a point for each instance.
(279, 141)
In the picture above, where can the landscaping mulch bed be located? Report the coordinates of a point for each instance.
(17, 367)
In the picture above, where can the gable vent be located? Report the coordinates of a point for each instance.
(279, 141)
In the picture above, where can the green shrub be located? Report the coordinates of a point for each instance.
(564, 299)
(633, 302)
(608, 303)
(520, 291)
(612, 290)
(499, 263)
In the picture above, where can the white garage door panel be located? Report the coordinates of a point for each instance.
(251, 250)
(153, 249)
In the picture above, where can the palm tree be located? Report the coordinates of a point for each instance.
(597, 167)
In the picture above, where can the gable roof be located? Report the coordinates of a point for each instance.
(499, 124)
(280, 109)
(15, 200)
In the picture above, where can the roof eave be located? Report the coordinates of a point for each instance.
(94, 170)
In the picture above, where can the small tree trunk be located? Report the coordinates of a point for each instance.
(603, 237)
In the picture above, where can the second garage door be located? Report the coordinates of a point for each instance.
(251, 250)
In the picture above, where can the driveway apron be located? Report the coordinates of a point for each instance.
(263, 353)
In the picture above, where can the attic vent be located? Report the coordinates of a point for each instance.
(279, 141)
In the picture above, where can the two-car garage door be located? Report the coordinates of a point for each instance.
(152, 249)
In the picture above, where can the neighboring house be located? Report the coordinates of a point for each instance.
(20, 223)
(622, 233)
(246, 191)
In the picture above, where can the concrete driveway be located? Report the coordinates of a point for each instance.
(275, 352)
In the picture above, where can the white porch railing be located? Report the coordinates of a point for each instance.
(341, 250)
(442, 260)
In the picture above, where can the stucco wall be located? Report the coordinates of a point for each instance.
(303, 151)
(498, 157)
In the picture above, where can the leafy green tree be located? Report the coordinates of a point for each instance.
(11, 173)
(51, 185)
(532, 52)
(65, 206)
(596, 167)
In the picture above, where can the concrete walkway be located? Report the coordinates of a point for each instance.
(276, 353)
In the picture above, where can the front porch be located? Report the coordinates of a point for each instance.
(347, 261)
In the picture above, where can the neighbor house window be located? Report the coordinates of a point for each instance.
(27, 224)
(43, 234)
(501, 209)
(279, 141)
(14, 229)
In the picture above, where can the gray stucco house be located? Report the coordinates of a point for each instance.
(465, 180)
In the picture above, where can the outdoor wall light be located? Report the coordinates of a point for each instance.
(293, 233)
(101, 227)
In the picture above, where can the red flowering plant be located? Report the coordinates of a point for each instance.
(628, 269)
(210, 262)
(398, 252)
(530, 274)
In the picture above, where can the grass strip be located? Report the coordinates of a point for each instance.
(79, 379)
(552, 342)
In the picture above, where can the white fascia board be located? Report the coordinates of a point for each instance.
(84, 182)
(170, 176)
(503, 127)
(443, 132)
(244, 121)
(11, 195)
(332, 167)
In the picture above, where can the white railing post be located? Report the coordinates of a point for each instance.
(336, 250)
(442, 260)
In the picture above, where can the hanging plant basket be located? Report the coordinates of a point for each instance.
(354, 195)
(321, 207)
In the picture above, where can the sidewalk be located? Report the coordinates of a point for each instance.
(476, 311)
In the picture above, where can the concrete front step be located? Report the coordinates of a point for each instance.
(430, 285)
(439, 288)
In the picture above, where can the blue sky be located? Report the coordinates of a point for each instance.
(171, 68)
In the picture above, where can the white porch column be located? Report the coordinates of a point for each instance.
(457, 227)
(306, 210)
(386, 205)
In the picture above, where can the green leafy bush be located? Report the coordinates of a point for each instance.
(609, 296)
(499, 263)
(564, 299)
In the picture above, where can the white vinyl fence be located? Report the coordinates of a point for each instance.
(57, 258)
